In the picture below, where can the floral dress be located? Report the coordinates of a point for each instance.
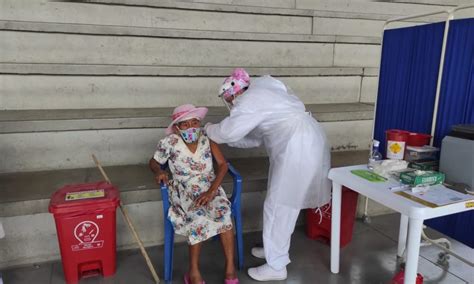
(193, 174)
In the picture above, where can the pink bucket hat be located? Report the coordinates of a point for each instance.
(236, 82)
(185, 112)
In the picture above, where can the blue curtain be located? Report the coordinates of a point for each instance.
(408, 76)
(456, 106)
(456, 102)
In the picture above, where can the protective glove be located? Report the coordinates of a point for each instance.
(207, 125)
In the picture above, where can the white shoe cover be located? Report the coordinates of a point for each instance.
(266, 273)
(258, 252)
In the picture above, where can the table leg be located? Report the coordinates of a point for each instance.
(402, 235)
(415, 227)
(335, 226)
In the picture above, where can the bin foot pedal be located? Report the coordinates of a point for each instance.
(90, 269)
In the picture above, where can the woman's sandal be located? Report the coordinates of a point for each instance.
(187, 279)
(231, 281)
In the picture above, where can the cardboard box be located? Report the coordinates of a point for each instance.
(422, 178)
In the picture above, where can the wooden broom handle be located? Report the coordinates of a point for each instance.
(130, 225)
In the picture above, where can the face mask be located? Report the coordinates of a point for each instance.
(191, 134)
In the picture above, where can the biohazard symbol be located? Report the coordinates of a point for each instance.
(86, 232)
(395, 148)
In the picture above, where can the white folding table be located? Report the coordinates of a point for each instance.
(412, 215)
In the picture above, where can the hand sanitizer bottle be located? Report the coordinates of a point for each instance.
(374, 157)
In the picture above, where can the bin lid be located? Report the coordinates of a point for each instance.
(84, 197)
(465, 131)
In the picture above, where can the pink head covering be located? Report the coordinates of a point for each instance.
(185, 112)
(236, 82)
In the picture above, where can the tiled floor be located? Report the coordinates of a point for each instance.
(370, 258)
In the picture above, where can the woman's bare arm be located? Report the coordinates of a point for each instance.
(221, 165)
(221, 171)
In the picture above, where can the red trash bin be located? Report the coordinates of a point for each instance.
(418, 139)
(85, 223)
(399, 278)
(396, 140)
(318, 223)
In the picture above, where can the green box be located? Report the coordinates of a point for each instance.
(429, 165)
(424, 178)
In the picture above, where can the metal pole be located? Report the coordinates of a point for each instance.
(440, 75)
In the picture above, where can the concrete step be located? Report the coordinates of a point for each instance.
(369, 89)
(36, 92)
(435, 2)
(258, 3)
(202, 16)
(374, 7)
(292, 4)
(341, 9)
(331, 36)
(33, 47)
(29, 193)
(64, 139)
(176, 71)
(320, 27)
(174, 17)
(191, 19)
(27, 121)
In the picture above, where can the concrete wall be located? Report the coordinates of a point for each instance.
(172, 53)
(374, 7)
(129, 16)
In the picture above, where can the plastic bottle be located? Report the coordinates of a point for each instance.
(374, 157)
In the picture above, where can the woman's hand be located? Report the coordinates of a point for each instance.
(161, 177)
(205, 198)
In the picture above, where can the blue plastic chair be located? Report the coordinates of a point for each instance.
(169, 231)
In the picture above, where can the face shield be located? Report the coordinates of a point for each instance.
(226, 92)
(226, 103)
(233, 86)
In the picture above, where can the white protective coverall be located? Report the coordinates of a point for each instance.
(299, 157)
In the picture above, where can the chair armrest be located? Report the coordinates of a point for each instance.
(237, 190)
(164, 197)
(164, 193)
(233, 172)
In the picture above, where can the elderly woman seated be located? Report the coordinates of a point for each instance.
(199, 208)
